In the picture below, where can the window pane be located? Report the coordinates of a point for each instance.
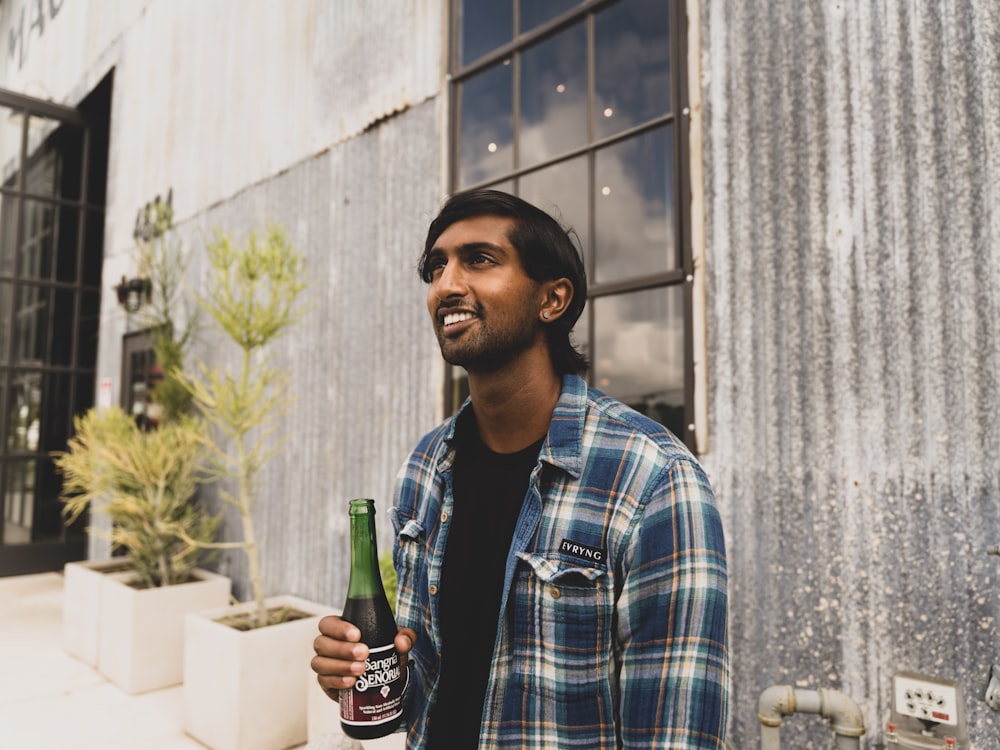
(507, 186)
(536, 12)
(10, 146)
(43, 325)
(8, 233)
(93, 249)
(32, 510)
(486, 139)
(634, 214)
(553, 96)
(86, 342)
(36, 256)
(66, 238)
(19, 502)
(43, 171)
(484, 25)
(561, 190)
(639, 352)
(55, 415)
(24, 410)
(55, 158)
(6, 293)
(632, 65)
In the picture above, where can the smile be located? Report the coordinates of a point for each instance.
(457, 317)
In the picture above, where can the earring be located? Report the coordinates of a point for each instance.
(545, 315)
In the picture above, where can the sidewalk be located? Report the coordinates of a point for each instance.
(49, 700)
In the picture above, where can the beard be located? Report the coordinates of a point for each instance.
(488, 347)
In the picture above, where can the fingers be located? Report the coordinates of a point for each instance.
(339, 629)
(340, 657)
(405, 639)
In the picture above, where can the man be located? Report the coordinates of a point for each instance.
(560, 560)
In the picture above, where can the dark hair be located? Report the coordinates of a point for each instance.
(546, 252)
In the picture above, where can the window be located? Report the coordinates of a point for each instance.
(574, 105)
(52, 191)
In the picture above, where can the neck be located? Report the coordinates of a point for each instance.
(514, 406)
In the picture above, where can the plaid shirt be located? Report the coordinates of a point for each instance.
(613, 618)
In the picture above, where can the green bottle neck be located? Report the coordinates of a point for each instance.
(366, 580)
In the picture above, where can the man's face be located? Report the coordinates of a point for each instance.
(483, 305)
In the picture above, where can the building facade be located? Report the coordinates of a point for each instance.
(789, 217)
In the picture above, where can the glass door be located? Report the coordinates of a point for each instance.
(52, 190)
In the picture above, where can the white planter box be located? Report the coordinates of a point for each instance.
(82, 586)
(142, 630)
(247, 690)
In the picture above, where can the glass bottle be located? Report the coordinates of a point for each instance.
(374, 705)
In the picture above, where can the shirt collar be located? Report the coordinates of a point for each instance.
(563, 447)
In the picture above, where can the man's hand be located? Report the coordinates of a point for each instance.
(340, 655)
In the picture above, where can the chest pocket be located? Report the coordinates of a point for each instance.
(410, 557)
(561, 621)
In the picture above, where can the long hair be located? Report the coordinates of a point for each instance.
(546, 250)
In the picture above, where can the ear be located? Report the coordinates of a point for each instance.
(557, 294)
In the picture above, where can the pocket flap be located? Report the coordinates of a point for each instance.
(552, 570)
(412, 530)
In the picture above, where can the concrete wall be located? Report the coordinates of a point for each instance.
(852, 177)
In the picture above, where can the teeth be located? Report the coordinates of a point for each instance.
(451, 318)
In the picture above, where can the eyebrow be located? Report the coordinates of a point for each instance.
(470, 247)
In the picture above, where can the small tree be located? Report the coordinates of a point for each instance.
(251, 295)
(162, 257)
(147, 479)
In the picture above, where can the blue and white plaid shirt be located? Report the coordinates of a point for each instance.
(613, 618)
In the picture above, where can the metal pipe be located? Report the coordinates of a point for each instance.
(779, 701)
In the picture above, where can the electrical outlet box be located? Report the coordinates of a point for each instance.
(927, 713)
(923, 698)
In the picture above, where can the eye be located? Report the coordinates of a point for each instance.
(432, 268)
(480, 259)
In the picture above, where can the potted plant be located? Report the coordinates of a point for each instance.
(125, 615)
(244, 684)
(146, 480)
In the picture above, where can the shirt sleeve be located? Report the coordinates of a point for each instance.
(671, 649)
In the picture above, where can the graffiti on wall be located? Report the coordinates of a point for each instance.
(29, 21)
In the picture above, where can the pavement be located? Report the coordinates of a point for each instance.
(50, 700)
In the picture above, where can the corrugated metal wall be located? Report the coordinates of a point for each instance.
(362, 356)
(852, 177)
(367, 376)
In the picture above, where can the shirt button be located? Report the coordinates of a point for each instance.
(432, 590)
(555, 593)
(444, 517)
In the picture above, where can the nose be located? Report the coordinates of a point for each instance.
(450, 282)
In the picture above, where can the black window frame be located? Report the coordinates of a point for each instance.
(678, 118)
(84, 203)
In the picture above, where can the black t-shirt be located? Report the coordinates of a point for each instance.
(488, 490)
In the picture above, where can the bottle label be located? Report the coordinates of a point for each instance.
(377, 696)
